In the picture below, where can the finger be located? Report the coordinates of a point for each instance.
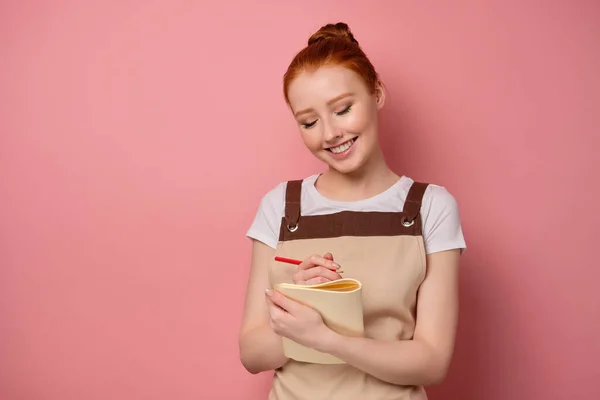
(271, 305)
(319, 271)
(281, 301)
(329, 256)
(315, 260)
(277, 316)
(316, 281)
(319, 280)
(275, 312)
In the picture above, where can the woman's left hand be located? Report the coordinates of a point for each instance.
(295, 321)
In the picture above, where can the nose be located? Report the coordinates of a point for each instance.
(331, 132)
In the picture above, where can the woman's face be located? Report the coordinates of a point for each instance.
(337, 116)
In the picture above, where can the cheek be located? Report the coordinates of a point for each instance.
(311, 139)
(357, 122)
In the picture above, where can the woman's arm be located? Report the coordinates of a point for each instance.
(261, 349)
(425, 359)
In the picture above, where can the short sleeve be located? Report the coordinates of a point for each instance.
(442, 228)
(267, 221)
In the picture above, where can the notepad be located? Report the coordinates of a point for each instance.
(340, 304)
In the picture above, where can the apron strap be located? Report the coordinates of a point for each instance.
(412, 205)
(292, 204)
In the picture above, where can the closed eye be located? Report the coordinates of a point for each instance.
(344, 111)
(309, 125)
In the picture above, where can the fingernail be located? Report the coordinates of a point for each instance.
(340, 271)
(335, 265)
(268, 292)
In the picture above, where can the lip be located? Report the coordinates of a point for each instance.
(346, 153)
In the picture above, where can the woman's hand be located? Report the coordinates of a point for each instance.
(316, 269)
(295, 321)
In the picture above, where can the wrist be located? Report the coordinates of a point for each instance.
(329, 341)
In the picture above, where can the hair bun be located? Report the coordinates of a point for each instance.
(332, 31)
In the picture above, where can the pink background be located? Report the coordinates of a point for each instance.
(136, 139)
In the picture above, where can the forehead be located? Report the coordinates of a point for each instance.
(312, 89)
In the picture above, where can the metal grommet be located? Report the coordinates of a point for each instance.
(292, 228)
(407, 223)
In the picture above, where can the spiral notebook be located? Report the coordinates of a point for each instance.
(340, 304)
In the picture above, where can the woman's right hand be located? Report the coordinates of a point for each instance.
(317, 269)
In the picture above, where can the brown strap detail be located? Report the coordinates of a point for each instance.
(412, 205)
(292, 202)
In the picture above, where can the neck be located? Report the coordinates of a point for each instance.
(371, 179)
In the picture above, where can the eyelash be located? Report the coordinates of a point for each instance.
(343, 112)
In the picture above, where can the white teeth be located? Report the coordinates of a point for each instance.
(343, 147)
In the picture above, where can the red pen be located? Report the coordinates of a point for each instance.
(297, 262)
(288, 260)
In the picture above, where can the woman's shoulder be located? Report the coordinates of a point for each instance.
(441, 219)
(273, 200)
(267, 221)
(276, 193)
(435, 193)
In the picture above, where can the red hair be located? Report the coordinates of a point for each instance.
(332, 45)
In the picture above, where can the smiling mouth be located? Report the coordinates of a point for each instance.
(342, 147)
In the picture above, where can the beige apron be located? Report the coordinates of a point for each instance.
(383, 250)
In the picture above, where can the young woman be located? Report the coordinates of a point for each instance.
(402, 239)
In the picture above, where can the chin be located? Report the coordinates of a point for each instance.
(344, 167)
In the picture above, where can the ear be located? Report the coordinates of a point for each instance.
(379, 94)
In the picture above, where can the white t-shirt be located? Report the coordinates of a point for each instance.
(439, 212)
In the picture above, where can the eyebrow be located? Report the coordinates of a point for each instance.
(337, 98)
